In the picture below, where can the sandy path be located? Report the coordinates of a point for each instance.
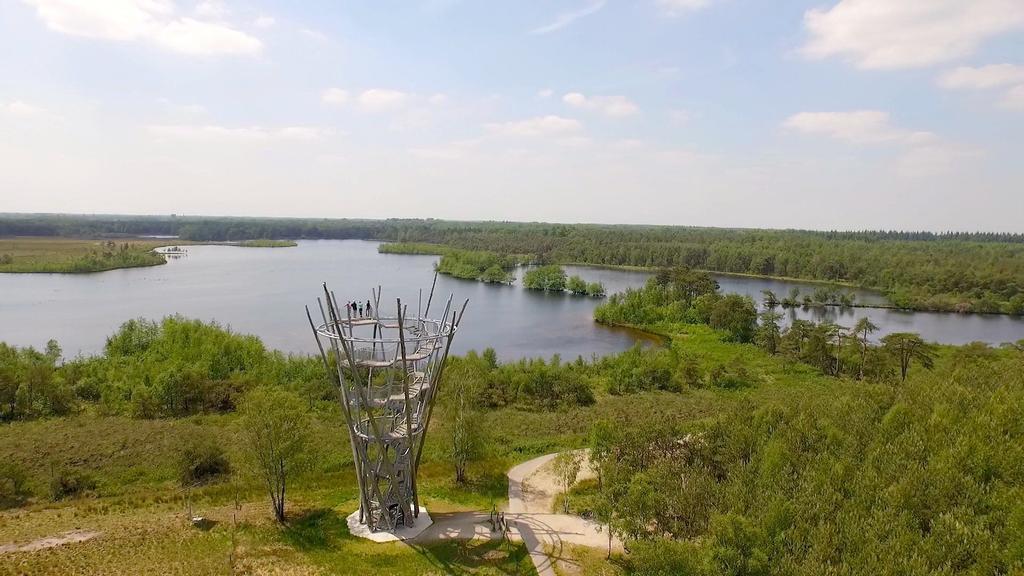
(532, 488)
(50, 541)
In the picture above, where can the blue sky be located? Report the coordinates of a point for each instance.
(832, 114)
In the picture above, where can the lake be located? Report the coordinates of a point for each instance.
(262, 291)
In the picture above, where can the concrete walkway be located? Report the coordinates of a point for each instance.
(532, 488)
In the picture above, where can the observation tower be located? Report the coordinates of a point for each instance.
(388, 366)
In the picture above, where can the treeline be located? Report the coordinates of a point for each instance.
(175, 367)
(179, 367)
(683, 296)
(949, 272)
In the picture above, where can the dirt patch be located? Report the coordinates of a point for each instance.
(541, 486)
(50, 541)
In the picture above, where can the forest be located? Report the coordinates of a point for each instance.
(959, 272)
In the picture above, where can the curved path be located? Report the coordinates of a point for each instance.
(532, 488)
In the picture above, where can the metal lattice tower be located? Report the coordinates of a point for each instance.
(388, 368)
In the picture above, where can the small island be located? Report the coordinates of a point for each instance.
(267, 243)
(551, 278)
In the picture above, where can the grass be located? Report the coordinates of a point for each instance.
(71, 255)
(267, 243)
(573, 560)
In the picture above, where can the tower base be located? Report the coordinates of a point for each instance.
(404, 533)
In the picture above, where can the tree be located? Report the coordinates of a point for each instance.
(548, 278)
(861, 330)
(567, 467)
(576, 285)
(465, 433)
(735, 314)
(595, 289)
(602, 438)
(769, 335)
(907, 347)
(770, 300)
(276, 431)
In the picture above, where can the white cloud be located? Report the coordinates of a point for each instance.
(191, 110)
(314, 34)
(574, 141)
(376, 99)
(889, 34)
(860, 127)
(1014, 98)
(982, 78)
(934, 158)
(382, 99)
(198, 38)
(616, 106)
(241, 135)
(538, 126)
(989, 77)
(679, 116)
(23, 110)
(452, 151)
(335, 96)
(143, 20)
(566, 18)
(921, 154)
(264, 21)
(211, 9)
(677, 7)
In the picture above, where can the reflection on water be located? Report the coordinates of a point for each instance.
(263, 290)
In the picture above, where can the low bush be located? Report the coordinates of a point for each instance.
(201, 460)
(70, 483)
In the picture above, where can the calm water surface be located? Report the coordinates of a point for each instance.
(262, 291)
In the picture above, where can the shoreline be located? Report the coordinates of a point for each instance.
(154, 245)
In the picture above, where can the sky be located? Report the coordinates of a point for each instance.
(851, 114)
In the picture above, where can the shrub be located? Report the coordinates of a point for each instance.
(667, 558)
(69, 483)
(12, 483)
(200, 460)
(730, 377)
(548, 278)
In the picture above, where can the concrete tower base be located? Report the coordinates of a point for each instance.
(361, 530)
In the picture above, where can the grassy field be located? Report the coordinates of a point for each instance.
(73, 255)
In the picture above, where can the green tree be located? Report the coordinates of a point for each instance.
(566, 467)
(862, 330)
(465, 426)
(602, 439)
(769, 335)
(735, 314)
(548, 278)
(907, 348)
(595, 289)
(275, 428)
(576, 285)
